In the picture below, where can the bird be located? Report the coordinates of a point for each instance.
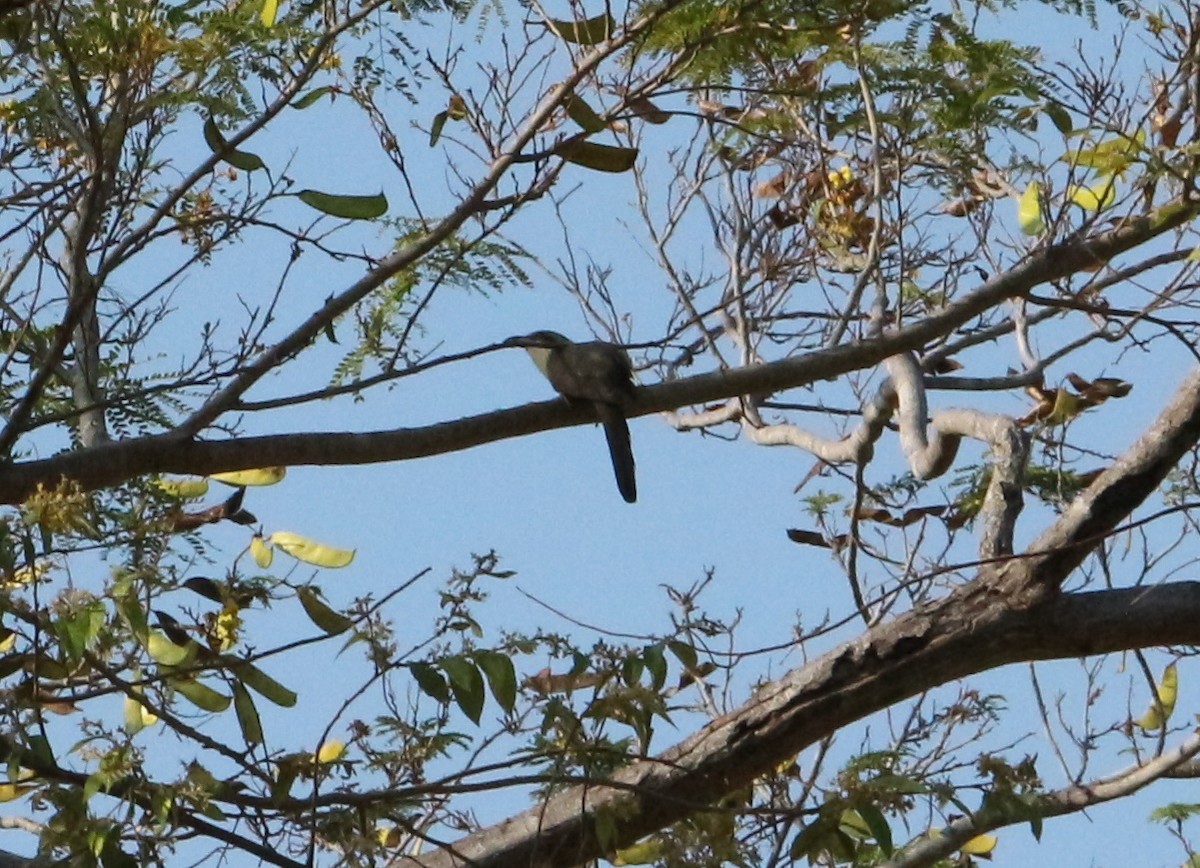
(596, 371)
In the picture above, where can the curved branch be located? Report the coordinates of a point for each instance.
(1008, 614)
(113, 463)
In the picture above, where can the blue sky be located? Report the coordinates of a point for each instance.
(548, 505)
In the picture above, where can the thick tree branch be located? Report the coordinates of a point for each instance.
(917, 652)
(1006, 615)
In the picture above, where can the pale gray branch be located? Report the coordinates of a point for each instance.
(1009, 613)
(1068, 800)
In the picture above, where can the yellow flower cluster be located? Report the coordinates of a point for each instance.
(63, 508)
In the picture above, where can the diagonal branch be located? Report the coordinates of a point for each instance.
(417, 249)
(1006, 615)
(1068, 800)
(890, 663)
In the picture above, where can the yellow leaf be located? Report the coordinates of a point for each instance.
(841, 178)
(980, 845)
(1029, 210)
(227, 627)
(389, 836)
(1159, 712)
(590, 31)
(642, 853)
(1094, 197)
(163, 650)
(261, 551)
(331, 751)
(259, 476)
(269, 11)
(1067, 406)
(1110, 157)
(310, 551)
(187, 489)
(10, 791)
(14, 789)
(137, 716)
(28, 575)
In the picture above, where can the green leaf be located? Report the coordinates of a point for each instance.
(601, 158)
(430, 681)
(501, 677)
(582, 113)
(435, 131)
(285, 776)
(632, 669)
(349, 207)
(261, 683)
(880, 830)
(243, 160)
(684, 653)
(580, 663)
(903, 784)
(325, 618)
(40, 752)
(270, 12)
(644, 852)
(313, 96)
(1059, 116)
(200, 695)
(656, 662)
(247, 714)
(131, 611)
(1174, 812)
(94, 784)
(79, 628)
(590, 31)
(812, 839)
(466, 683)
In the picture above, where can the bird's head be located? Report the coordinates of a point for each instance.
(539, 345)
(539, 340)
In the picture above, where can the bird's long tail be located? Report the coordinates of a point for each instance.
(616, 431)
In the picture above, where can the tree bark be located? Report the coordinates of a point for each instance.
(1012, 611)
(113, 463)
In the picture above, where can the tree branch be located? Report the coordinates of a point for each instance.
(113, 463)
(1068, 800)
(1008, 614)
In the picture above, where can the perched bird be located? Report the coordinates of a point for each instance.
(595, 371)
